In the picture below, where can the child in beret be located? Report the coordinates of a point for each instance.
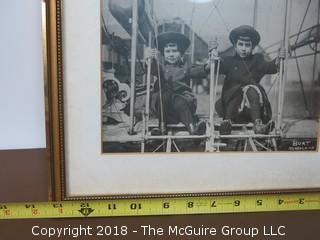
(243, 99)
(178, 102)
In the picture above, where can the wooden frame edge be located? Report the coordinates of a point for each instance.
(46, 66)
(54, 97)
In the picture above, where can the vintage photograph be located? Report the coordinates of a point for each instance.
(209, 75)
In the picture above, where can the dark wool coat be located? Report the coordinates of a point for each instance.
(241, 72)
(175, 83)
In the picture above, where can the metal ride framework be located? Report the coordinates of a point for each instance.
(213, 140)
(312, 39)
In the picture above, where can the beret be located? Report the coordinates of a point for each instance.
(173, 37)
(246, 33)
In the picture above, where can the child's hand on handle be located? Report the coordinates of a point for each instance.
(282, 54)
(213, 48)
(213, 53)
(152, 53)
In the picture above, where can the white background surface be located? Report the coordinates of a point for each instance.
(90, 173)
(22, 119)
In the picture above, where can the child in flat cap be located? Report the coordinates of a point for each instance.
(243, 98)
(178, 102)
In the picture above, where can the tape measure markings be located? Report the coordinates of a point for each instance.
(160, 206)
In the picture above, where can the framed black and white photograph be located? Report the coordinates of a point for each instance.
(162, 97)
(160, 94)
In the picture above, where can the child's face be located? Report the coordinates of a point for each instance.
(171, 53)
(244, 48)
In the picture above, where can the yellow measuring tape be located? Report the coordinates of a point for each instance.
(162, 206)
